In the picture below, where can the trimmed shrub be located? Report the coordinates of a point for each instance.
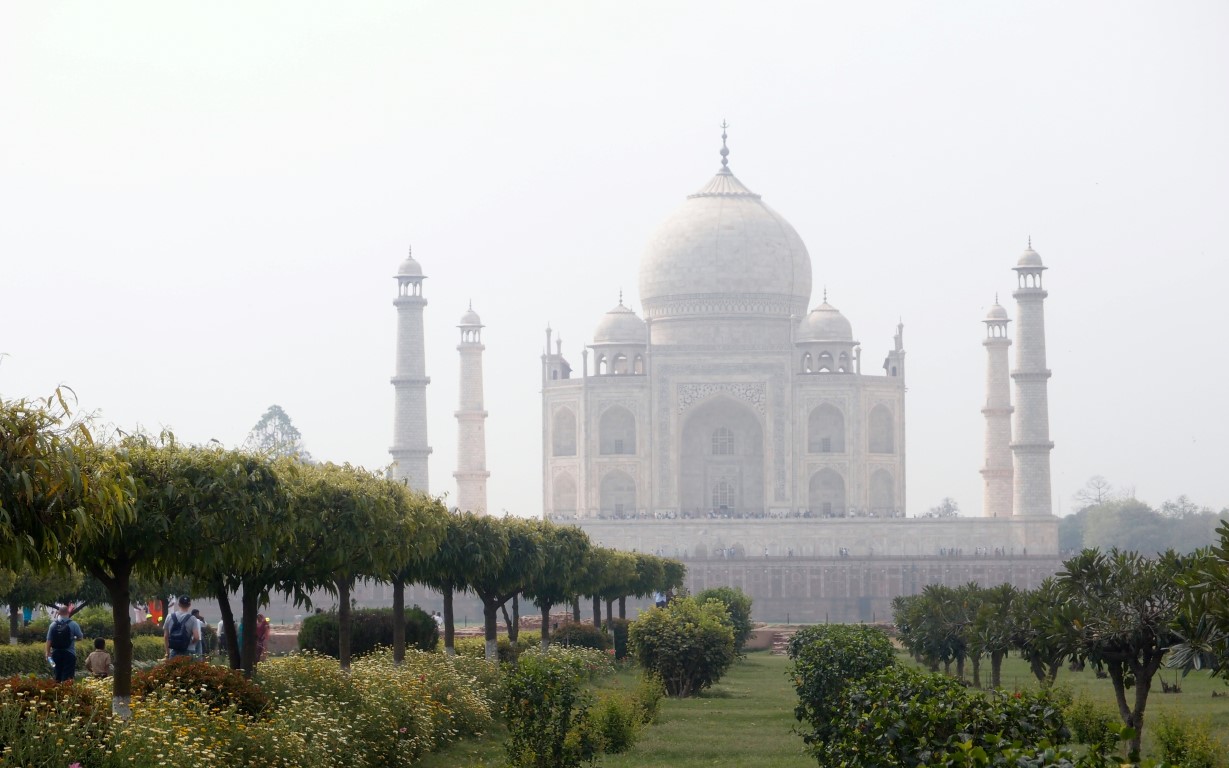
(825, 659)
(688, 645)
(616, 719)
(41, 697)
(738, 606)
(95, 621)
(1090, 722)
(1185, 742)
(210, 684)
(616, 630)
(545, 707)
(648, 695)
(475, 647)
(903, 717)
(29, 659)
(578, 635)
(370, 628)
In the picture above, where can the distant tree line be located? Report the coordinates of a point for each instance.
(1108, 518)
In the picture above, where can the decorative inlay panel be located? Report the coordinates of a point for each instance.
(752, 393)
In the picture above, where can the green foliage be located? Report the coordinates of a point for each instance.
(1186, 742)
(506, 651)
(825, 659)
(616, 720)
(580, 635)
(616, 629)
(903, 717)
(201, 681)
(29, 659)
(1131, 525)
(648, 695)
(738, 605)
(545, 708)
(370, 628)
(689, 645)
(1090, 722)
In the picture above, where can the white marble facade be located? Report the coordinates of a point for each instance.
(728, 399)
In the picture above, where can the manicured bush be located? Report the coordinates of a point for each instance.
(616, 630)
(738, 605)
(688, 645)
(210, 684)
(545, 707)
(1185, 742)
(648, 695)
(475, 647)
(579, 635)
(616, 719)
(1089, 721)
(95, 621)
(30, 660)
(370, 628)
(902, 717)
(42, 723)
(825, 659)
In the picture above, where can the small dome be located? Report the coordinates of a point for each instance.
(621, 326)
(409, 267)
(1029, 258)
(997, 313)
(470, 317)
(825, 323)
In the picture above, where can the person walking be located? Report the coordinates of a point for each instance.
(62, 637)
(181, 631)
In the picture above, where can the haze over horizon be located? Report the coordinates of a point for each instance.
(203, 208)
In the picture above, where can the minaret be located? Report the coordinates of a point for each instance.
(1031, 444)
(997, 472)
(410, 449)
(471, 471)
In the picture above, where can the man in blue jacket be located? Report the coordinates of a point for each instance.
(62, 637)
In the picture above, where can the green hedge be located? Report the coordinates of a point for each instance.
(94, 622)
(29, 659)
(370, 628)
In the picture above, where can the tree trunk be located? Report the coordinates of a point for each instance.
(1052, 673)
(996, 669)
(947, 667)
(609, 611)
(121, 693)
(960, 667)
(230, 633)
(576, 609)
(398, 621)
(343, 623)
(1143, 685)
(623, 607)
(514, 632)
(597, 612)
(450, 648)
(490, 626)
(977, 671)
(545, 625)
(15, 623)
(250, 600)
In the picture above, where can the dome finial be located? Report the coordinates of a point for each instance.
(825, 294)
(1030, 242)
(725, 151)
(996, 297)
(620, 297)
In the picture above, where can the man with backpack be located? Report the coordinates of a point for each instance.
(62, 637)
(181, 631)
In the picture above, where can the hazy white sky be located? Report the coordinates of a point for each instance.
(202, 205)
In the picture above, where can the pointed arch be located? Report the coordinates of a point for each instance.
(563, 495)
(826, 494)
(826, 430)
(880, 430)
(883, 493)
(617, 494)
(617, 432)
(563, 433)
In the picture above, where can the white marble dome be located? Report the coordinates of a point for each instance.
(825, 323)
(410, 267)
(996, 313)
(724, 252)
(1029, 258)
(470, 317)
(621, 326)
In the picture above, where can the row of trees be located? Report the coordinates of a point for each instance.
(1119, 611)
(1107, 517)
(238, 523)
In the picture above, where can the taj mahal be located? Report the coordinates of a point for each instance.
(735, 425)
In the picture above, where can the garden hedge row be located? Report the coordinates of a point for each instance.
(370, 628)
(29, 659)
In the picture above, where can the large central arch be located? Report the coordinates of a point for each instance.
(721, 460)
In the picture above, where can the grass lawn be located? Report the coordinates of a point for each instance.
(744, 720)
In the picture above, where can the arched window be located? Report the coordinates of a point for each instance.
(563, 433)
(881, 432)
(883, 493)
(806, 363)
(826, 430)
(842, 364)
(723, 495)
(638, 365)
(825, 363)
(620, 364)
(601, 365)
(618, 495)
(617, 432)
(723, 442)
(827, 494)
(564, 497)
